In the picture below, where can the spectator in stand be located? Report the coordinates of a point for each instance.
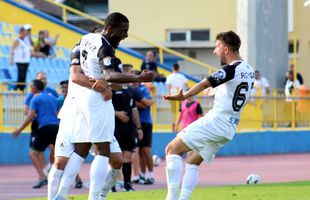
(190, 111)
(290, 84)
(51, 41)
(149, 62)
(41, 46)
(260, 83)
(20, 55)
(28, 38)
(299, 76)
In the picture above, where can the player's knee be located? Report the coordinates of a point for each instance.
(33, 154)
(116, 163)
(82, 149)
(169, 148)
(60, 163)
(103, 149)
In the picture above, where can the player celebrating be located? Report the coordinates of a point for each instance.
(208, 134)
(95, 117)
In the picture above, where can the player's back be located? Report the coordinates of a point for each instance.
(233, 88)
(90, 45)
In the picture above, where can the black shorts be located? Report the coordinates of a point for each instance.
(46, 135)
(126, 136)
(147, 129)
(34, 131)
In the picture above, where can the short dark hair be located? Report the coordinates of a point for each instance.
(137, 72)
(97, 29)
(176, 66)
(64, 82)
(231, 39)
(38, 84)
(21, 29)
(291, 72)
(126, 67)
(115, 19)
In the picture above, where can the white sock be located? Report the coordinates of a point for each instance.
(110, 181)
(142, 175)
(71, 170)
(150, 175)
(97, 176)
(190, 180)
(174, 175)
(54, 177)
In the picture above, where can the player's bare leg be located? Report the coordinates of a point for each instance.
(137, 178)
(41, 159)
(142, 164)
(146, 151)
(191, 175)
(35, 158)
(116, 162)
(174, 150)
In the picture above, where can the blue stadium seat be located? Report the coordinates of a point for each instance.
(34, 63)
(5, 50)
(13, 72)
(16, 28)
(4, 62)
(41, 63)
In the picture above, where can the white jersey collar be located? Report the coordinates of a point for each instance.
(106, 40)
(233, 62)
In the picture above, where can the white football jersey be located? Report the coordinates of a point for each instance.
(233, 85)
(89, 48)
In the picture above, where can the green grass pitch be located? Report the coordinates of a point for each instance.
(277, 191)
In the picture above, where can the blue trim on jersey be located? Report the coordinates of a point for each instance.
(83, 32)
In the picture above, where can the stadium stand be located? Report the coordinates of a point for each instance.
(56, 67)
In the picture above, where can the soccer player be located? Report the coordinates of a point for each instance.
(208, 134)
(98, 62)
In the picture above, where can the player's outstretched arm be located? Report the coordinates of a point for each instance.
(196, 89)
(117, 77)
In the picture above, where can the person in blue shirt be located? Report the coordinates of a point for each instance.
(64, 91)
(38, 162)
(44, 107)
(146, 160)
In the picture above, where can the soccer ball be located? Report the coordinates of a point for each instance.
(253, 179)
(156, 160)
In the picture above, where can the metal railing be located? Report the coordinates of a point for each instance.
(272, 112)
(161, 49)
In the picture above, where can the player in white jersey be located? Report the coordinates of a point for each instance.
(204, 137)
(94, 122)
(64, 148)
